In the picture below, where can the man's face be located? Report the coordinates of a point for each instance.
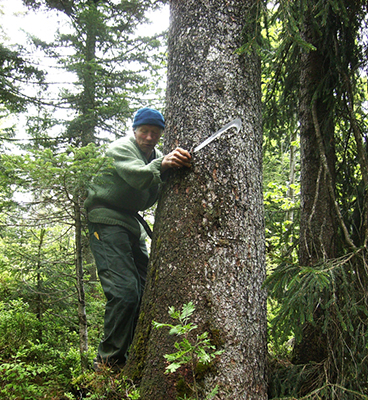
(147, 136)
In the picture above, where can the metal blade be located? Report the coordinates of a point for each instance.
(236, 123)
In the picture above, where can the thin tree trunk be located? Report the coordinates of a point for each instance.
(39, 283)
(208, 244)
(88, 101)
(82, 315)
(291, 192)
(318, 223)
(86, 134)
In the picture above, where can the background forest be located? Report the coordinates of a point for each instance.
(52, 136)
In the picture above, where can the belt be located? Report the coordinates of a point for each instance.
(133, 213)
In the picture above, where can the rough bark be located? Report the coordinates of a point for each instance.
(292, 176)
(208, 243)
(318, 223)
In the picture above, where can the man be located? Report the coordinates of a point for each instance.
(115, 234)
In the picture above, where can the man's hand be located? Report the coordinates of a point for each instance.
(178, 158)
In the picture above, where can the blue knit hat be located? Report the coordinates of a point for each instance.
(148, 116)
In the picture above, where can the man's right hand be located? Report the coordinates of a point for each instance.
(178, 158)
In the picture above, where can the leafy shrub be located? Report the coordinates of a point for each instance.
(17, 326)
(31, 368)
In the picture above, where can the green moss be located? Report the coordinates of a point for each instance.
(182, 389)
(216, 337)
(158, 243)
(157, 275)
(140, 349)
(203, 369)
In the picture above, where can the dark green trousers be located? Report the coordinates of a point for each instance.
(121, 261)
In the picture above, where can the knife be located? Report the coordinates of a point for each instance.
(236, 123)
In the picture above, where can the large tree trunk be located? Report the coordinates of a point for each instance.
(208, 244)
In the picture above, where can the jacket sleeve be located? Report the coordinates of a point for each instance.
(131, 166)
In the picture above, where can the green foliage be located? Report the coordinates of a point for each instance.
(58, 175)
(13, 70)
(190, 351)
(37, 265)
(336, 289)
(17, 325)
(43, 351)
(282, 228)
(330, 295)
(31, 368)
(38, 248)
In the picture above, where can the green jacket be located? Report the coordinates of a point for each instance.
(131, 185)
